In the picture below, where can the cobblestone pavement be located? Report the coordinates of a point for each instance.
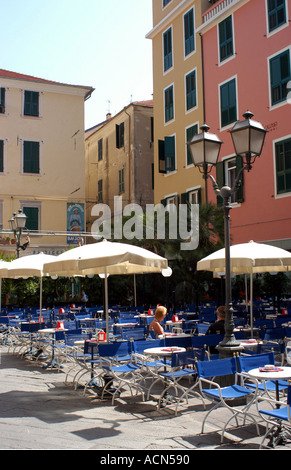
(38, 411)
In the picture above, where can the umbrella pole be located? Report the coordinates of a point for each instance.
(106, 304)
(251, 300)
(40, 298)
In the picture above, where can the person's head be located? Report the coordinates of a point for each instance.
(160, 313)
(220, 312)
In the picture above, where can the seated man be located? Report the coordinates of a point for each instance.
(218, 326)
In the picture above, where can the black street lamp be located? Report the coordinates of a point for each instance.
(248, 139)
(17, 224)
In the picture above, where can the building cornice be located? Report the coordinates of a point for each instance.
(168, 19)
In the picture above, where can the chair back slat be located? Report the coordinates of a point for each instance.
(247, 363)
(217, 368)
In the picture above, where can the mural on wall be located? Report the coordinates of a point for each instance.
(75, 222)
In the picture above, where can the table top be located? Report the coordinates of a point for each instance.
(165, 351)
(49, 331)
(279, 373)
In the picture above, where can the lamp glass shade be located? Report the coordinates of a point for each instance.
(248, 137)
(205, 148)
(20, 219)
(12, 223)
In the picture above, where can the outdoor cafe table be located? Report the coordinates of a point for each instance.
(278, 373)
(52, 331)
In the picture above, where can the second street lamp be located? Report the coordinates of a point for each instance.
(17, 224)
(248, 139)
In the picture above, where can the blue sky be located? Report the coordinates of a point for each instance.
(82, 42)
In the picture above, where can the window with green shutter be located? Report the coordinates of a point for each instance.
(226, 173)
(168, 53)
(167, 154)
(189, 32)
(190, 132)
(2, 100)
(191, 100)
(119, 130)
(276, 14)
(100, 149)
(283, 166)
(280, 75)
(121, 181)
(100, 190)
(1, 156)
(228, 111)
(32, 214)
(169, 104)
(31, 157)
(225, 39)
(31, 103)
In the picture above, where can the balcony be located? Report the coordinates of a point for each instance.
(218, 8)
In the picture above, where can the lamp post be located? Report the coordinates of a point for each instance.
(248, 139)
(17, 224)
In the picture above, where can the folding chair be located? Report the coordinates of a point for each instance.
(207, 371)
(125, 373)
(183, 365)
(278, 420)
(255, 361)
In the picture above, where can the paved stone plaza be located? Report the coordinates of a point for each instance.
(38, 411)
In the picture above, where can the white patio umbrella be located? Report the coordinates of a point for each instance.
(248, 258)
(106, 258)
(29, 266)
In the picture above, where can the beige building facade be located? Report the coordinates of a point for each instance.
(119, 160)
(178, 99)
(42, 159)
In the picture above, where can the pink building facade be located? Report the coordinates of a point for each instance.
(246, 63)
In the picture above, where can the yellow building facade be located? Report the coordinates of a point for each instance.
(119, 161)
(42, 159)
(178, 99)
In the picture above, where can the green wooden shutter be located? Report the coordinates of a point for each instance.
(30, 157)
(170, 153)
(240, 191)
(32, 217)
(1, 156)
(162, 162)
(220, 179)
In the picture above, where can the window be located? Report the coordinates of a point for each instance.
(121, 181)
(165, 2)
(119, 135)
(32, 214)
(169, 104)
(1, 156)
(193, 196)
(191, 99)
(283, 166)
(31, 103)
(167, 154)
(228, 111)
(225, 39)
(190, 132)
(276, 14)
(226, 173)
(31, 157)
(100, 192)
(2, 100)
(280, 75)
(100, 149)
(189, 36)
(168, 55)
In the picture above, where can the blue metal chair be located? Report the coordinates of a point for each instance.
(278, 420)
(183, 365)
(125, 373)
(220, 396)
(255, 361)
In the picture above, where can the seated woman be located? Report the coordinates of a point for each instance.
(155, 325)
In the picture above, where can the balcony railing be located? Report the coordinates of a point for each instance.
(217, 8)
